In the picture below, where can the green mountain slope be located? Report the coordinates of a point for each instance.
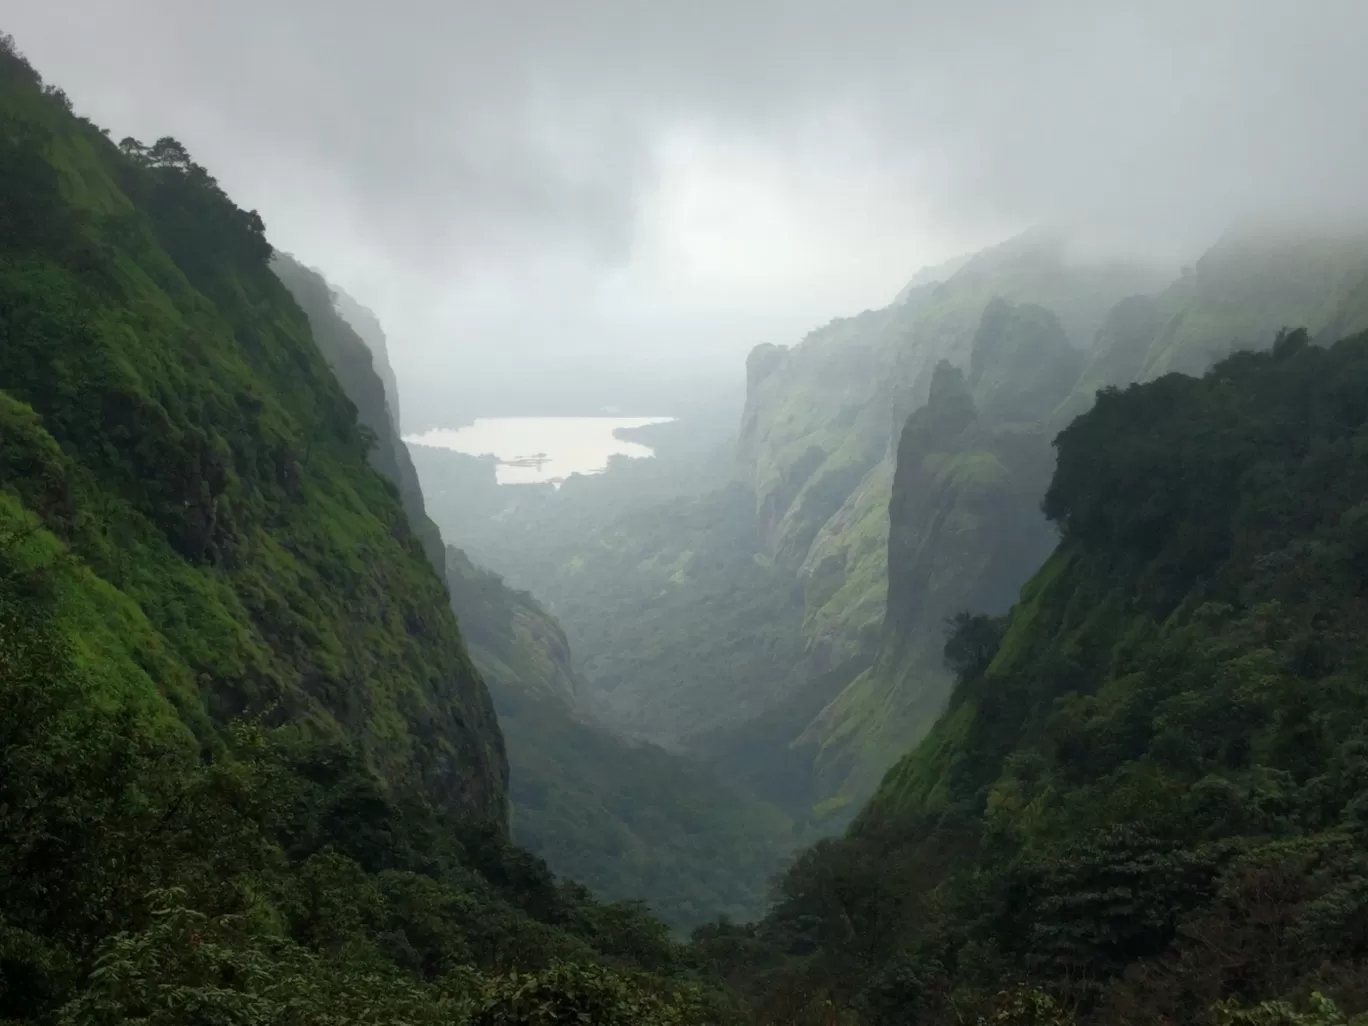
(893, 704)
(1146, 795)
(362, 369)
(965, 532)
(1250, 285)
(820, 428)
(631, 821)
(209, 466)
(248, 773)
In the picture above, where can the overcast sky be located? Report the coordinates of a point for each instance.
(674, 182)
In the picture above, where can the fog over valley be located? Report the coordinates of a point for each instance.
(629, 194)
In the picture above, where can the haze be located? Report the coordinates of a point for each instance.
(555, 205)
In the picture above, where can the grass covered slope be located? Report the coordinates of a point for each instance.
(1147, 794)
(1250, 285)
(965, 531)
(631, 821)
(172, 422)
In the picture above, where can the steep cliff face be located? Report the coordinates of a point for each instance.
(366, 324)
(1026, 381)
(821, 425)
(965, 533)
(808, 431)
(181, 451)
(362, 367)
(519, 648)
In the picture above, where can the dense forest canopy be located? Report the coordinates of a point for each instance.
(1144, 799)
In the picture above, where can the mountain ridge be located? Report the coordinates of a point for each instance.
(248, 771)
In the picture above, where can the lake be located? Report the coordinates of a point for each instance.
(535, 450)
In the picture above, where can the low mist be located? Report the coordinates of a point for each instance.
(619, 192)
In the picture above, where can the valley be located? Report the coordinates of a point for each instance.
(732, 599)
(995, 656)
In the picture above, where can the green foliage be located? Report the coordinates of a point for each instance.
(1145, 800)
(172, 422)
(363, 377)
(682, 611)
(629, 820)
(567, 993)
(279, 880)
(1025, 1007)
(1320, 1011)
(972, 640)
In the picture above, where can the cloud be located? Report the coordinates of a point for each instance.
(615, 180)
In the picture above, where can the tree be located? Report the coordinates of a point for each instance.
(972, 640)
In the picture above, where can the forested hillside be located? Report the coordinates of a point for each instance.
(1144, 803)
(965, 531)
(174, 428)
(248, 773)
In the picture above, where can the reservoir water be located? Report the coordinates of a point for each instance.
(533, 450)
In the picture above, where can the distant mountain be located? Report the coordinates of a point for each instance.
(1019, 372)
(930, 275)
